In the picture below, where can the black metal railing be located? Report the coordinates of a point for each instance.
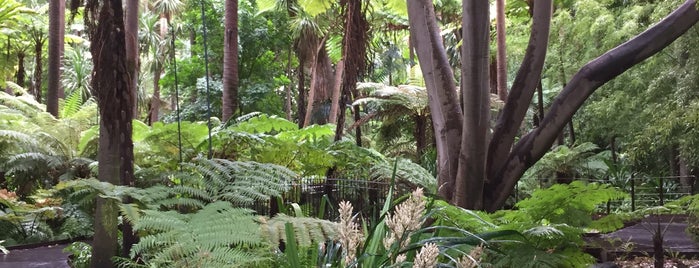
(320, 196)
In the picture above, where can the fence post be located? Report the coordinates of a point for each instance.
(633, 194)
(662, 201)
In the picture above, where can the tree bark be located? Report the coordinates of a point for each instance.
(420, 136)
(501, 50)
(230, 61)
(56, 12)
(132, 53)
(526, 82)
(337, 90)
(441, 91)
(287, 89)
(111, 87)
(476, 102)
(301, 103)
(38, 68)
(594, 74)
(21, 70)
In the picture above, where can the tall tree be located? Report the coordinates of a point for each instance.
(166, 9)
(132, 56)
(57, 10)
(501, 61)
(111, 86)
(132, 67)
(471, 177)
(230, 61)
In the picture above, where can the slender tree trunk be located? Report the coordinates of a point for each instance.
(132, 53)
(337, 90)
(420, 136)
(354, 45)
(287, 89)
(154, 114)
(38, 68)
(111, 87)
(230, 61)
(301, 103)
(501, 50)
(56, 12)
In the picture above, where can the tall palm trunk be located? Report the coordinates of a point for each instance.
(132, 56)
(56, 15)
(230, 61)
(112, 88)
(154, 113)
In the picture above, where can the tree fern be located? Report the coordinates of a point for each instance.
(308, 231)
(202, 239)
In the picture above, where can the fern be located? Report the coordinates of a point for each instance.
(571, 204)
(308, 231)
(203, 239)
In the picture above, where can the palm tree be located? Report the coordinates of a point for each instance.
(56, 32)
(166, 9)
(230, 61)
(112, 90)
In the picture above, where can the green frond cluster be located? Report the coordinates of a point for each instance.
(218, 235)
(308, 231)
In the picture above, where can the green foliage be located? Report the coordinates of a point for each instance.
(571, 204)
(202, 239)
(308, 232)
(35, 147)
(80, 254)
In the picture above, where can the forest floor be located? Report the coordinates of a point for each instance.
(51, 256)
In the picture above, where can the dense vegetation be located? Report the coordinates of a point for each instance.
(155, 125)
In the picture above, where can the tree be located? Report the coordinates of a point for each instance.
(132, 56)
(166, 9)
(112, 88)
(230, 61)
(57, 10)
(471, 176)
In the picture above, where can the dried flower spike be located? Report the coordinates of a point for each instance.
(427, 257)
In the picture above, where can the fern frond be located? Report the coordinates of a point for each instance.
(309, 231)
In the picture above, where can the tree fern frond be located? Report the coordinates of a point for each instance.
(309, 231)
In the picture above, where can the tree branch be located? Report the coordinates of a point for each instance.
(523, 89)
(590, 77)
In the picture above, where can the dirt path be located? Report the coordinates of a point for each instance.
(41, 257)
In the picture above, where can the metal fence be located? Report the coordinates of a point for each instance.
(367, 198)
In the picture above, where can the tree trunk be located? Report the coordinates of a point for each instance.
(38, 68)
(476, 101)
(321, 86)
(301, 103)
(56, 12)
(441, 91)
(111, 87)
(526, 82)
(132, 53)
(501, 50)
(230, 61)
(287, 89)
(21, 70)
(420, 136)
(594, 74)
(337, 90)
(154, 113)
